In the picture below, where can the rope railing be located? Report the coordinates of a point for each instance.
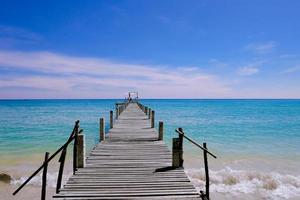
(78, 161)
(149, 112)
(178, 158)
(179, 131)
(177, 149)
(120, 107)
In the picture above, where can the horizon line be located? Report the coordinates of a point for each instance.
(4, 99)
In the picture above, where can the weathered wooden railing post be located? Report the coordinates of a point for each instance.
(81, 151)
(111, 117)
(175, 154)
(75, 150)
(152, 118)
(206, 172)
(160, 130)
(181, 147)
(102, 129)
(149, 114)
(117, 112)
(146, 110)
(177, 151)
(61, 169)
(44, 181)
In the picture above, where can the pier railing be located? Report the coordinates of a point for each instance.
(177, 148)
(178, 157)
(77, 137)
(150, 113)
(120, 107)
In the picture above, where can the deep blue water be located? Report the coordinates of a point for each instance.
(230, 127)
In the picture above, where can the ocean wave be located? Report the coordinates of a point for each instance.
(270, 185)
(37, 180)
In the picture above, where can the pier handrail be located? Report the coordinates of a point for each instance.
(73, 136)
(121, 106)
(194, 142)
(179, 146)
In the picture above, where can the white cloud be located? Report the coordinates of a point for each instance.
(291, 70)
(261, 48)
(61, 76)
(248, 70)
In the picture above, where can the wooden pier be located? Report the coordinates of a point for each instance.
(131, 161)
(124, 165)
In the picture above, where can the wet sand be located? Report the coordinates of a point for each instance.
(29, 192)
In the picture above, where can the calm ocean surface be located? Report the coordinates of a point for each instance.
(249, 136)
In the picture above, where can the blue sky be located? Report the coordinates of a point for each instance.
(163, 49)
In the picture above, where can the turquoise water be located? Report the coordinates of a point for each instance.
(264, 127)
(29, 126)
(252, 138)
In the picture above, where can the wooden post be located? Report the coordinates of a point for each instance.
(61, 169)
(175, 153)
(102, 129)
(152, 118)
(149, 114)
(111, 117)
(146, 110)
(44, 181)
(160, 130)
(117, 112)
(81, 151)
(180, 136)
(75, 151)
(206, 171)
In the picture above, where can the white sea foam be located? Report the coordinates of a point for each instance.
(37, 180)
(270, 185)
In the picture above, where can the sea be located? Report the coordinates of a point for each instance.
(257, 141)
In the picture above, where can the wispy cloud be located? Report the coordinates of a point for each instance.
(217, 63)
(261, 48)
(288, 56)
(248, 70)
(11, 36)
(82, 77)
(291, 70)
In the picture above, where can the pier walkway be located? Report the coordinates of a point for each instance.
(123, 166)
